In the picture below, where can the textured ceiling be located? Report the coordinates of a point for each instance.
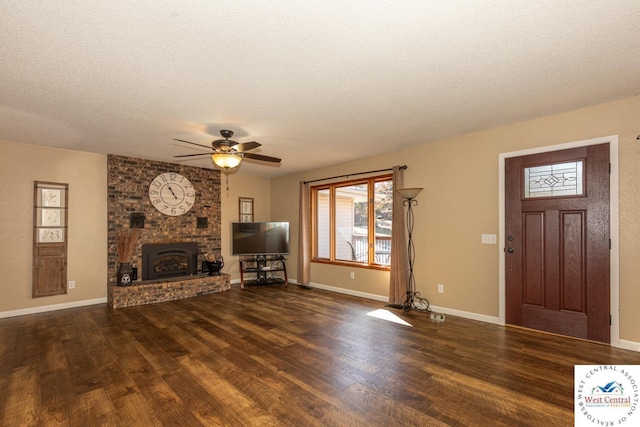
(317, 83)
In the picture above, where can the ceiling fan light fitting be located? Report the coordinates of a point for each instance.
(226, 160)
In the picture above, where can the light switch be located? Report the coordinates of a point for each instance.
(489, 239)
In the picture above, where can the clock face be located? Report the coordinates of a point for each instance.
(172, 194)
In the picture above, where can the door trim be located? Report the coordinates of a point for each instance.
(614, 254)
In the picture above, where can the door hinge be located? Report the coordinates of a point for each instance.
(609, 244)
(609, 168)
(609, 320)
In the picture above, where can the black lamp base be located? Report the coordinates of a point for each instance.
(415, 302)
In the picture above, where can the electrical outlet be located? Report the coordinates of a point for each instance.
(440, 288)
(352, 275)
(72, 284)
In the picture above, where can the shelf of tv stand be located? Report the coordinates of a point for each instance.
(261, 268)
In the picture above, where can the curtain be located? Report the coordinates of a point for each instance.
(304, 236)
(399, 277)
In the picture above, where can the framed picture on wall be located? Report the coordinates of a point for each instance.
(50, 217)
(50, 235)
(246, 209)
(51, 197)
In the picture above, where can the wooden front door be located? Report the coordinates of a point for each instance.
(557, 242)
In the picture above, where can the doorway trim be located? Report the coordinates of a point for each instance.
(614, 254)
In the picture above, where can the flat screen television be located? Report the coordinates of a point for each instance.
(260, 238)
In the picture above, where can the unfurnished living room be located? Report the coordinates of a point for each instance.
(320, 213)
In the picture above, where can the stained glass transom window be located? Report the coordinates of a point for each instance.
(561, 179)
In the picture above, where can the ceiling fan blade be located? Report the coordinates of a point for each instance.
(193, 155)
(246, 146)
(261, 157)
(193, 143)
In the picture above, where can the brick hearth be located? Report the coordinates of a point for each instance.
(150, 292)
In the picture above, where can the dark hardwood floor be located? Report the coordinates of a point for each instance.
(282, 356)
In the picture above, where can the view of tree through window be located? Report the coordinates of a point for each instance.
(352, 221)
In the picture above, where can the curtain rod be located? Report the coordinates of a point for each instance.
(352, 174)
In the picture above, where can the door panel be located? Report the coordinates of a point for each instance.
(557, 249)
(572, 261)
(534, 259)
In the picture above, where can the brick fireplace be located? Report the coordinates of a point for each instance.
(128, 182)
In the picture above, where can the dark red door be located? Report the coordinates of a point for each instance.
(557, 247)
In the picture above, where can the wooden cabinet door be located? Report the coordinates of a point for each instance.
(50, 271)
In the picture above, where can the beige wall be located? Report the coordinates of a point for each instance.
(460, 202)
(86, 175)
(241, 186)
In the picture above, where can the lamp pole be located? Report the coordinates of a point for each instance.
(413, 299)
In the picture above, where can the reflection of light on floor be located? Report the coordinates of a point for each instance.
(387, 315)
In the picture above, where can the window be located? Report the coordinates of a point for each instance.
(560, 179)
(352, 221)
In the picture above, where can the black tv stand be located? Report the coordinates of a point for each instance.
(263, 269)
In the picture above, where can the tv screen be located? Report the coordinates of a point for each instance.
(260, 238)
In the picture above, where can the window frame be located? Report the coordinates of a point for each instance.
(371, 222)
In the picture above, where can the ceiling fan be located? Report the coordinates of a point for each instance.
(227, 153)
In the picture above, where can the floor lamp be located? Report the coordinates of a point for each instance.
(413, 300)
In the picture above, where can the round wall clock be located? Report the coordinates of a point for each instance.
(172, 194)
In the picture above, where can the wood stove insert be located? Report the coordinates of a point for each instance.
(166, 260)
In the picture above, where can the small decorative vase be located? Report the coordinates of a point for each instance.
(213, 265)
(214, 268)
(124, 274)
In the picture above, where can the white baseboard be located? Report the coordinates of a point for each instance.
(468, 315)
(346, 291)
(54, 307)
(630, 345)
